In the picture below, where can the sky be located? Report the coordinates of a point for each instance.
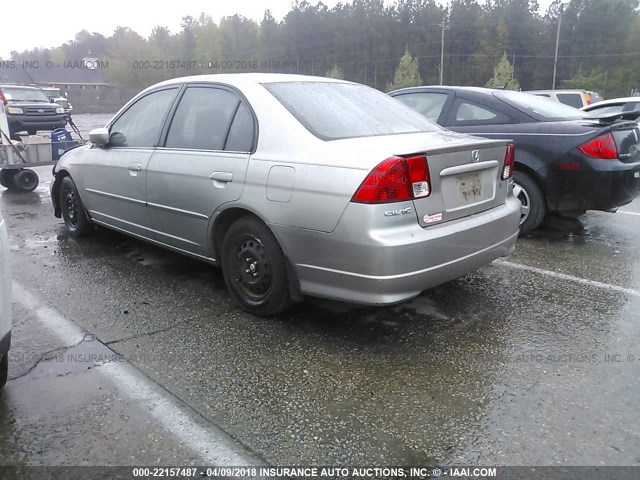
(36, 26)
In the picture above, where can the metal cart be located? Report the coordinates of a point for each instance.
(18, 157)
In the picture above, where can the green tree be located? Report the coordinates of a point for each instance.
(407, 74)
(503, 76)
(335, 72)
(594, 80)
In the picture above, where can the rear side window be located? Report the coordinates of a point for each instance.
(202, 119)
(335, 110)
(240, 137)
(538, 107)
(429, 104)
(465, 112)
(572, 99)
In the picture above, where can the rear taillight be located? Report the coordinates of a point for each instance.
(603, 146)
(395, 180)
(509, 161)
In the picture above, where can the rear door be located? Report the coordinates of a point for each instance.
(202, 165)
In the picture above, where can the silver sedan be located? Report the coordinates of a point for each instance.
(295, 186)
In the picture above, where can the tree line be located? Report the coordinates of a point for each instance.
(364, 40)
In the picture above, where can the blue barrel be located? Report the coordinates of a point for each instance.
(61, 141)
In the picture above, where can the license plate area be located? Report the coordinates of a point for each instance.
(469, 187)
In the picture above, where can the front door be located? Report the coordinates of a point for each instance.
(114, 177)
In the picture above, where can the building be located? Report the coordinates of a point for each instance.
(82, 81)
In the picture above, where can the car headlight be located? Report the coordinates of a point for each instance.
(59, 110)
(15, 110)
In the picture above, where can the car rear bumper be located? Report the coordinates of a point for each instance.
(597, 185)
(392, 265)
(610, 190)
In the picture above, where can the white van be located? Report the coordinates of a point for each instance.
(574, 98)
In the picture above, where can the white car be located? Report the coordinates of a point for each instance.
(5, 303)
(613, 106)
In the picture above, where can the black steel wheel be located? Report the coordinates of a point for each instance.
(6, 177)
(254, 268)
(4, 370)
(25, 180)
(73, 212)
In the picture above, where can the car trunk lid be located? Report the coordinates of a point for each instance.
(465, 172)
(463, 182)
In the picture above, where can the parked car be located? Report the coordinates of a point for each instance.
(573, 98)
(614, 105)
(565, 164)
(55, 96)
(295, 186)
(29, 110)
(5, 303)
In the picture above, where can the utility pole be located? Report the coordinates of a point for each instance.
(555, 59)
(443, 25)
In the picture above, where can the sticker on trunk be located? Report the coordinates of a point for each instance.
(436, 217)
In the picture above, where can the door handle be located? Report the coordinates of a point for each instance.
(221, 177)
(134, 167)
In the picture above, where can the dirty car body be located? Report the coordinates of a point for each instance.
(295, 186)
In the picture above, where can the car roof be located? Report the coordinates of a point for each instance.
(246, 78)
(447, 87)
(561, 90)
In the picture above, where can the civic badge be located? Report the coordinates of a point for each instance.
(475, 156)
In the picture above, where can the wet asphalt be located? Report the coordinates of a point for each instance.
(511, 365)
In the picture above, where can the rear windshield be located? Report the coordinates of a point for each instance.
(17, 94)
(540, 108)
(333, 111)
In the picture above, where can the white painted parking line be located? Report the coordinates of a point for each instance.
(570, 278)
(212, 444)
(629, 213)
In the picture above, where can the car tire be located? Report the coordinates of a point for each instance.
(254, 268)
(6, 177)
(26, 180)
(534, 206)
(4, 370)
(73, 212)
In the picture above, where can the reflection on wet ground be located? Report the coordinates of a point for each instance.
(503, 366)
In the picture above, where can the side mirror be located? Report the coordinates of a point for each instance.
(99, 136)
(51, 100)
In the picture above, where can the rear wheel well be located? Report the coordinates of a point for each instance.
(222, 224)
(220, 227)
(521, 167)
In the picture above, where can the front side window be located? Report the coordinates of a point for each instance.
(429, 104)
(141, 124)
(203, 119)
